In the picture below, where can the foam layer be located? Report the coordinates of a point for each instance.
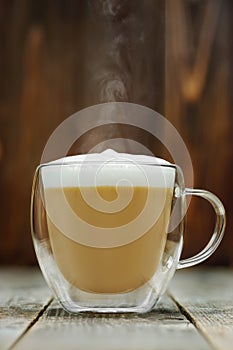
(108, 168)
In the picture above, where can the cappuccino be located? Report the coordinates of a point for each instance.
(107, 222)
(117, 269)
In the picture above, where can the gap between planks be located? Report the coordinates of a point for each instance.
(31, 324)
(159, 329)
(185, 312)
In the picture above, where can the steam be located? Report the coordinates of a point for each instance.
(112, 87)
(111, 7)
(112, 75)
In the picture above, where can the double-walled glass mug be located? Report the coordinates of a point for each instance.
(108, 229)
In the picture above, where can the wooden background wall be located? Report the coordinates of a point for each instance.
(57, 57)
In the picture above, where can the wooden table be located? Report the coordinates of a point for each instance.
(196, 313)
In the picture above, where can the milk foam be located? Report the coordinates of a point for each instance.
(108, 168)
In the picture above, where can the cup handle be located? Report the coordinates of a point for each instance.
(218, 230)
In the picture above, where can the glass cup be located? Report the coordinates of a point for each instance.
(108, 235)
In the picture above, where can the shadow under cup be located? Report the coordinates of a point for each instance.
(101, 233)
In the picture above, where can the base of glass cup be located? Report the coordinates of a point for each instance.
(117, 303)
(140, 300)
(74, 300)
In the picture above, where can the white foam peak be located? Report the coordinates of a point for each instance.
(108, 168)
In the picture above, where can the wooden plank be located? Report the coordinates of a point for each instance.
(23, 294)
(164, 328)
(49, 70)
(199, 105)
(206, 297)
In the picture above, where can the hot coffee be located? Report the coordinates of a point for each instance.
(107, 221)
(114, 269)
(108, 229)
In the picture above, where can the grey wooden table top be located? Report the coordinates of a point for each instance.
(196, 313)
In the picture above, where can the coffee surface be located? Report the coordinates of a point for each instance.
(118, 269)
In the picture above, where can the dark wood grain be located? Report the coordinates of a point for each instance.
(198, 103)
(57, 57)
